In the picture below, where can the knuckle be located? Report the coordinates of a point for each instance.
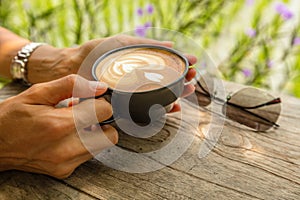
(54, 126)
(62, 171)
(121, 39)
(33, 90)
(34, 87)
(88, 46)
(71, 78)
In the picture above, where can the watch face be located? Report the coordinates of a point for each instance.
(17, 69)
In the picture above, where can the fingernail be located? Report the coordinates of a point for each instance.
(95, 85)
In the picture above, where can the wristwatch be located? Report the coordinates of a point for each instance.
(18, 68)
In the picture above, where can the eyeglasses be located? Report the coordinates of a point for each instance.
(250, 106)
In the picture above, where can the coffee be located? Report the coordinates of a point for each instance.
(140, 69)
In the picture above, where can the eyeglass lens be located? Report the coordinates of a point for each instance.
(252, 107)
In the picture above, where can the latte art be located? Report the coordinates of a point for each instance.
(143, 67)
(126, 64)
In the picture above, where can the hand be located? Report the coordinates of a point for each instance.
(36, 136)
(48, 63)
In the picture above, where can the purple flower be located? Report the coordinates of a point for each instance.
(280, 7)
(270, 63)
(247, 72)
(140, 31)
(139, 12)
(284, 11)
(250, 32)
(287, 15)
(147, 25)
(249, 2)
(150, 8)
(296, 41)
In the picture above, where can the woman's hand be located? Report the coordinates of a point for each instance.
(36, 136)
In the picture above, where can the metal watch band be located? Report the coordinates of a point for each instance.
(18, 68)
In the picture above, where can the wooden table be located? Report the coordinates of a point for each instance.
(243, 165)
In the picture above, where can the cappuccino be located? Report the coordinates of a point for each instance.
(140, 69)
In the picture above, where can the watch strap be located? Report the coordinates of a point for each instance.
(18, 68)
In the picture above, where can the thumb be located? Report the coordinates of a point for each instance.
(51, 93)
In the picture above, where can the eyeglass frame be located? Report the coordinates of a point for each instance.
(214, 98)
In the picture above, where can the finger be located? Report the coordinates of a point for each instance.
(191, 74)
(98, 139)
(125, 40)
(191, 58)
(91, 111)
(84, 88)
(51, 93)
(188, 90)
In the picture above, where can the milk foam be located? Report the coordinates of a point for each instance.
(134, 67)
(127, 63)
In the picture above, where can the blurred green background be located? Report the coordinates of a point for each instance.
(253, 42)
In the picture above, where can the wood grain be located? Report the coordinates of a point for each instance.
(243, 165)
(19, 185)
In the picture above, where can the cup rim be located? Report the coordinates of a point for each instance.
(181, 56)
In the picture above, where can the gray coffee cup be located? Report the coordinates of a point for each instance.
(143, 106)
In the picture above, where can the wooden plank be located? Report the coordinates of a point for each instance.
(244, 164)
(20, 185)
(167, 183)
(11, 89)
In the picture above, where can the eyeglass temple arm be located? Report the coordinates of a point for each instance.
(251, 113)
(199, 84)
(274, 101)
